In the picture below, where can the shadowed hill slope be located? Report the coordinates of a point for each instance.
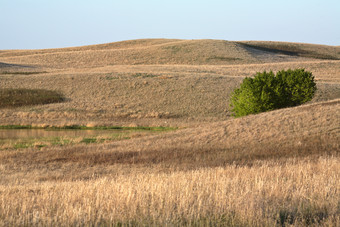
(293, 49)
(170, 51)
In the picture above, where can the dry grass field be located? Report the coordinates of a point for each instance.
(278, 168)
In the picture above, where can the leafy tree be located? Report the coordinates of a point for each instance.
(267, 91)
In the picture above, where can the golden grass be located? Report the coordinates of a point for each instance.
(146, 52)
(173, 96)
(278, 168)
(100, 90)
(266, 194)
(297, 148)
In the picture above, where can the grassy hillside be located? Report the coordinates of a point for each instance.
(279, 168)
(169, 95)
(285, 161)
(163, 51)
(293, 132)
(294, 49)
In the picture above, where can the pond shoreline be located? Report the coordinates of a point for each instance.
(25, 136)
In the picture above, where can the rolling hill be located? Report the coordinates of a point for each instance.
(169, 52)
(271, 169)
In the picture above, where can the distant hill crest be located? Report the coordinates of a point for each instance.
(172, 52)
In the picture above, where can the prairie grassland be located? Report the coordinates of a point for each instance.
(149, 95)
(153, 82)
(266, 194)
(278, 168)
(185, 52)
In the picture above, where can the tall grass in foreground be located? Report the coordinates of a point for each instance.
(300, 192)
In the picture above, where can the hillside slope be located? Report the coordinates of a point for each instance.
(153, 81)
(262, 166)
(164, 51)
(293, 132)
(271, 169)
(309, 130)
(312, 51)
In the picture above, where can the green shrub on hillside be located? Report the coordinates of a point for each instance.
(267, 91)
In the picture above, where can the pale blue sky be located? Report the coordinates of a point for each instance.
(33, 24)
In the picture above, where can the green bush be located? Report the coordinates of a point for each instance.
(267, 91)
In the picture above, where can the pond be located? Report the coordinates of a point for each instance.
(12, 138)
(38, 138)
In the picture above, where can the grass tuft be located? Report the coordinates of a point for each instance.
(89, 140)
(221, 58)
(306, 214)
(144, 75)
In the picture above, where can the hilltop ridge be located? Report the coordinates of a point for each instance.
(171, 52)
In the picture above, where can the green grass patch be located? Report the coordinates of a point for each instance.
(111, 78)
(174, 49)
(144, 75)
(221, 58)
(55, 141)
(88, 140)
(22, 145)
(28, 97)
(34, 142)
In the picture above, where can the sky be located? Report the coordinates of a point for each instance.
(38, 24)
